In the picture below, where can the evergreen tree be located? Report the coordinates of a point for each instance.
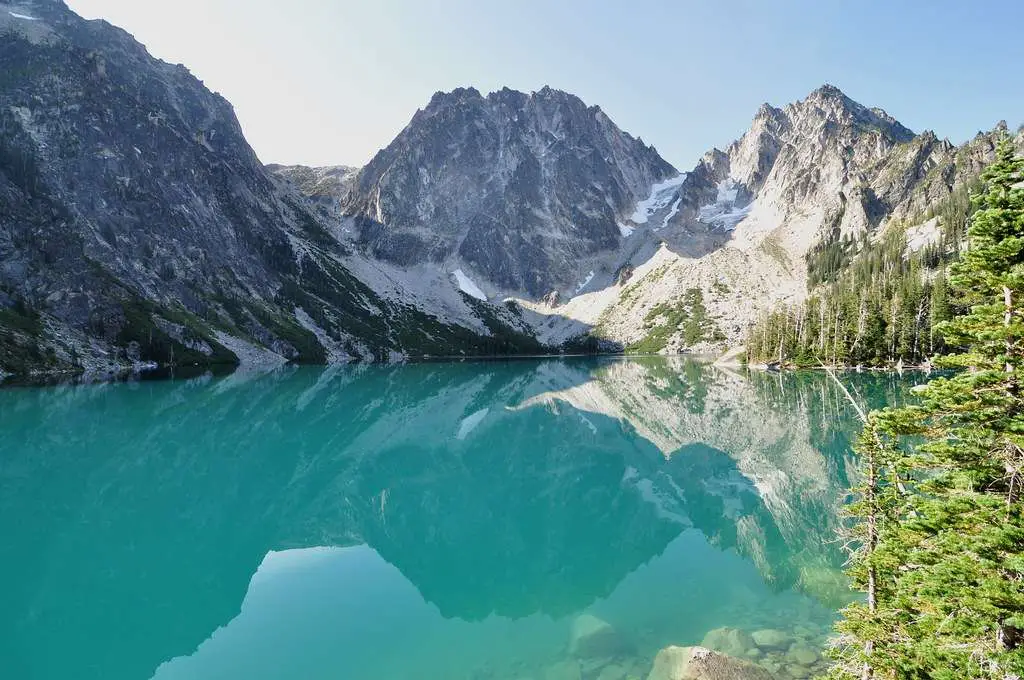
(947, 548)
(878, 306)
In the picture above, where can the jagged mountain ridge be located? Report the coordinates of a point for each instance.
(139, 226)
(743, 221)
(514, 186)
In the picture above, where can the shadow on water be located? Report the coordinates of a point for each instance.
(476, 506)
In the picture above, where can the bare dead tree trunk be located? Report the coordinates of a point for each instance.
(871, 542)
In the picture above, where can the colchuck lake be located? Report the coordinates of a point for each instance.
(535, 519)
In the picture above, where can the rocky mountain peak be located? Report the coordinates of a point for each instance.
(512, 187)
(830, 105)
(456, 96)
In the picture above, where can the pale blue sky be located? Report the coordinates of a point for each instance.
(332, 81)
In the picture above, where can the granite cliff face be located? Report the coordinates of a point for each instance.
(513, 187)
(139, 226)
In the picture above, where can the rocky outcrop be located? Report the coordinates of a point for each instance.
(514, 187)
(699, 663)
(323, 187)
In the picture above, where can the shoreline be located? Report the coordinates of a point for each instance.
(726, 361)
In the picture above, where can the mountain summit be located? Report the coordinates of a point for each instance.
(513, 186)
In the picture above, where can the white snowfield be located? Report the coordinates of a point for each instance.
(673, 211)
(661, 196)
(467, 286)
(22, 16)
(724, 213)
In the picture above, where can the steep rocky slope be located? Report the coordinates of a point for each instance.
(740, 227)
(137, 225)
(322, 186)
(514, 188)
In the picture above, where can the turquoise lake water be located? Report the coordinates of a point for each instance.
(433, 521)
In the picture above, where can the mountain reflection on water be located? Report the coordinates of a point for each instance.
(430, 520)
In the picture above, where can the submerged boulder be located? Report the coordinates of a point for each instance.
(700, 663)
(563, 670)
(802, 654)
(771, 639)
(592, 637)
(729, 641)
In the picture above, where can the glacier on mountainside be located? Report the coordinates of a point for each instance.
(724, 213)
(661, 196)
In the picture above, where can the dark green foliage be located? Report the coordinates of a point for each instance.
(879, 308)
(136, 327)
(940, 515)
(687, 316)
(828, 258)
(19, 351)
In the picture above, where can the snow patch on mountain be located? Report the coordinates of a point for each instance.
(428, 287)
(724, 213)
(660, 198)
(467, 285)
(673, 211)
(22, 16)
(586, 281)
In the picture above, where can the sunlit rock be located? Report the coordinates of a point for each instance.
(699, 663)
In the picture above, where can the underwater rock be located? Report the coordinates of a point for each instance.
(592, 637)
(563, 670)
(699, 663)
(729, 641)
(769, 638)
(613, 671)
(802, 654)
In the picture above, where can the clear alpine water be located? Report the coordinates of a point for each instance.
(543, 520)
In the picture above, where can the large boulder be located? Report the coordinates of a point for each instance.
(700, 663)
(591, 637)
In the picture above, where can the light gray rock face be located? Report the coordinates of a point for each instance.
(132, 210)
(324, 187)
(819, 151)
(746, 222)
(518, 186)
(699, 663)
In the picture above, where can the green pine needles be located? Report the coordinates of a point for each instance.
(939, 520)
